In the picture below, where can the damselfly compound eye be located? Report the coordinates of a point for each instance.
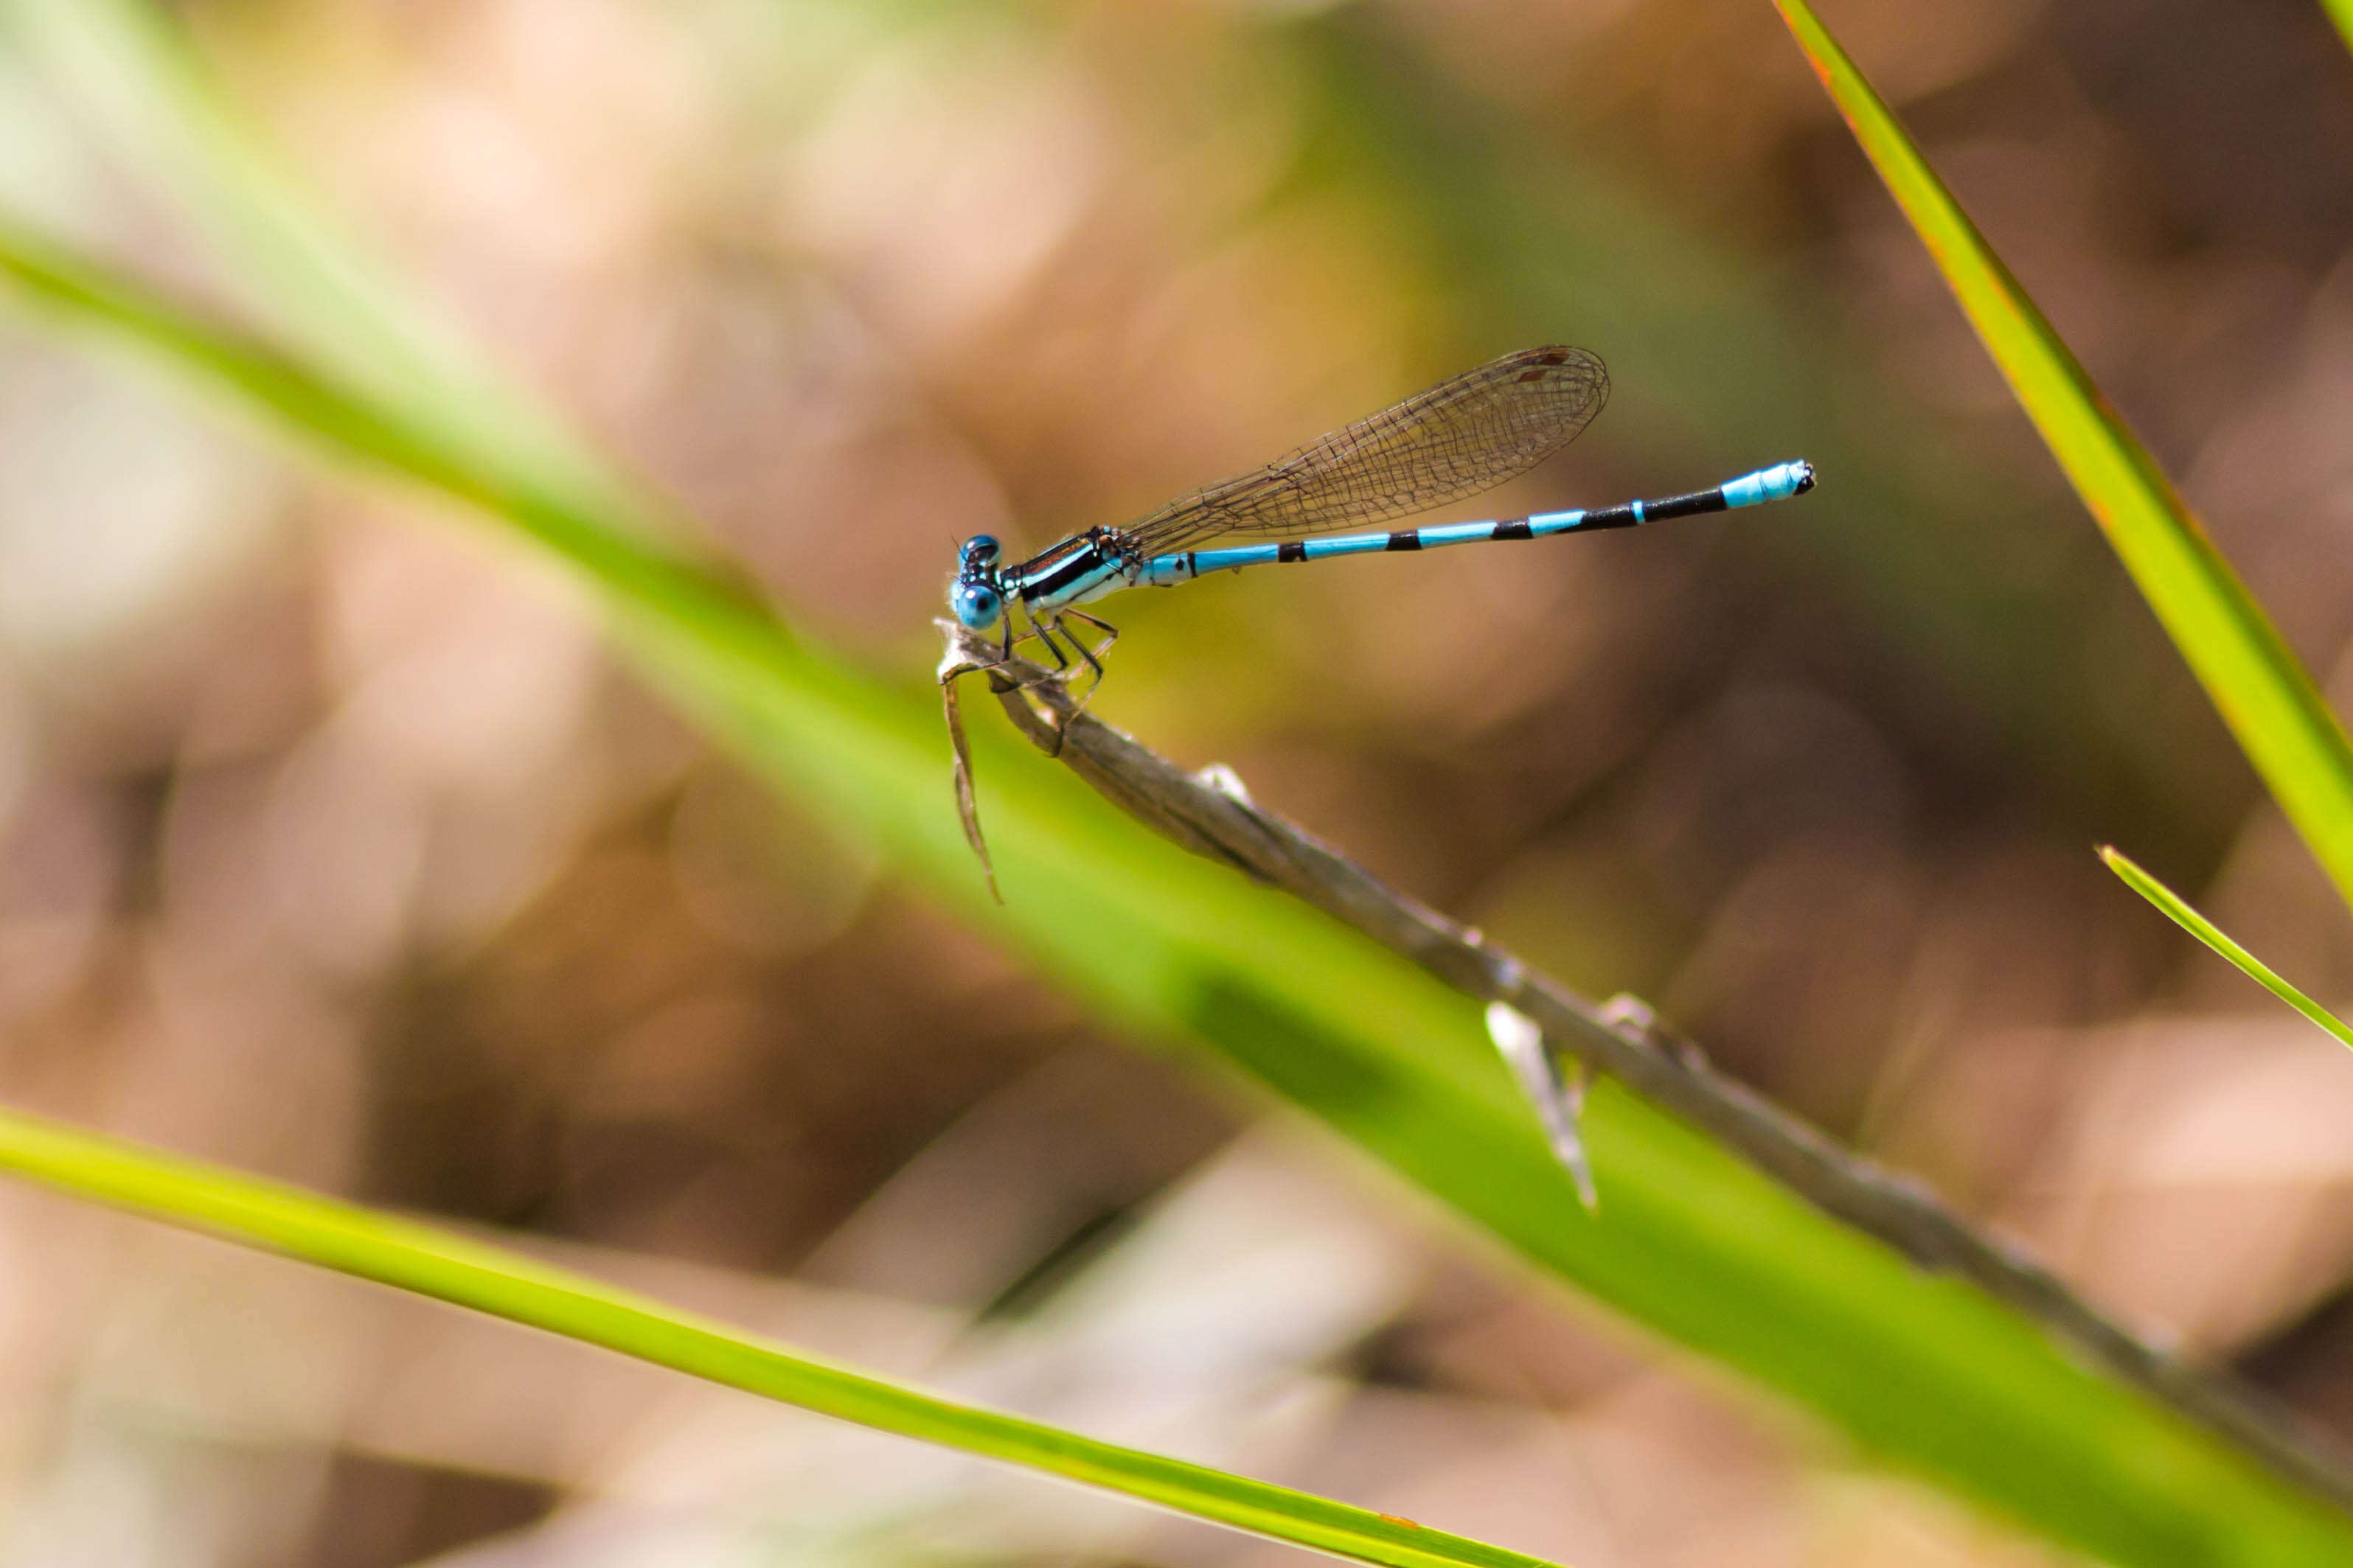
(976, 604)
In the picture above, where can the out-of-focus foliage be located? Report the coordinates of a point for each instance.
(336, 852)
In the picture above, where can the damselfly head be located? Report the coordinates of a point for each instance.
(976, 596)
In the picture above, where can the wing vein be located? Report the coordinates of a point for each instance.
(1463, 435)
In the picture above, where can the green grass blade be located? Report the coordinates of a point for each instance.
(2262, 692)
(2177, 910)
(2341, 13)
(1171, 948)
(451, 1267)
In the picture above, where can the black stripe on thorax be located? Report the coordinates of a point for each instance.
(1055, 556)
(1063, 565)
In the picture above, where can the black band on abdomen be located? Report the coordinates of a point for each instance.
(1685, 506)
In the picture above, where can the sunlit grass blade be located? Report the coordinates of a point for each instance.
(2263, 693)
(2177, 910)
(451, 1267)
(2341, 13)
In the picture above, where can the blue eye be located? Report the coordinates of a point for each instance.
(981, 550)
(976, 604)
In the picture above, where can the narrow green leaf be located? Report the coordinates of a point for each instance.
(451, 1268)
(2205, 931)
(2341, 13)
(2265, 696)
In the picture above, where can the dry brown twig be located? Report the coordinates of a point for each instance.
(1212, 815)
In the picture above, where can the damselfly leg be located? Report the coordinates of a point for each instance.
(1093, 656)
(1050, 633)
(1032, 630)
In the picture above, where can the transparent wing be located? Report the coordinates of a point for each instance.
(1459, 438)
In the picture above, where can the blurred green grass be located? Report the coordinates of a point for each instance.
(449, 1267)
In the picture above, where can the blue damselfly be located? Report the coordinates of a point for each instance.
(1459, 438)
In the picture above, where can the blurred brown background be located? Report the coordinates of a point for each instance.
(333, 845)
